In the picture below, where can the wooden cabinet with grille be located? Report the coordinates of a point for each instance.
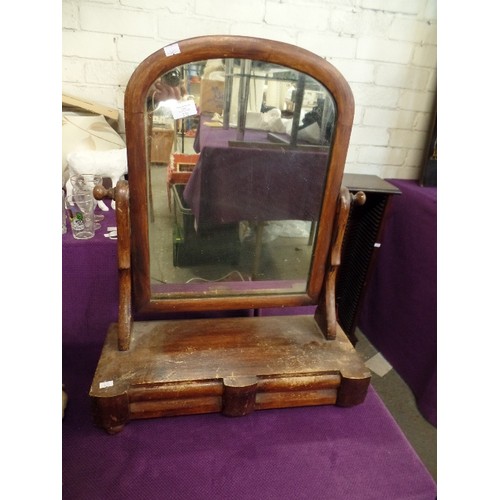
(361, 245)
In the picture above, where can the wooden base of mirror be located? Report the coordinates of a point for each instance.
(233, 366)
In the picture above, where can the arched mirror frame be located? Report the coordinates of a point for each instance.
(211, 47)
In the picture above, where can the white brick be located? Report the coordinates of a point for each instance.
(359, 112)
(432, 35)
(377, 49)
(107, 19)
(388, 118)
(403, 7)
(363, 169)
(133, 49)
(407, 29)
(407, 138)
(432, 83)
(177, 27)
(261, 30)
(374, 24)
(88, 45)
(425, 56)
(337, 4)
(414, 158)
(161, 5)
(352, 153)
(416, 101)
(355, 71)
(402, 76)
(310, 17)
(372, 136)
(69, 15)
(108, 71)
(370, 95)
(236, 10)
(108, 2)
(392, 172)
(345, 22)
(430, 11)
(358, 22)
(327, 45)
(73, 70)
(382, 155)
(422, 121)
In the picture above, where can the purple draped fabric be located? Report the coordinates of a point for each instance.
(399, 312)
(325, 452)
(89, 284)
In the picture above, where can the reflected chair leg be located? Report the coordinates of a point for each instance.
(169, 196)
(258, 248)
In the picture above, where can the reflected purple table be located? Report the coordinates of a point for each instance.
(233, 183)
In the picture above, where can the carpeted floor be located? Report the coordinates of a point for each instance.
(399, 400)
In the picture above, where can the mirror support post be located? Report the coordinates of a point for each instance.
(120, 194)
(326, 315)
(125, 275)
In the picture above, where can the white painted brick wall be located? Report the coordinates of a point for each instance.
(117, 19)
(386, 49)
(300, 16)
(252, 12)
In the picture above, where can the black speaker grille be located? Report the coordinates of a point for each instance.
(361, 235)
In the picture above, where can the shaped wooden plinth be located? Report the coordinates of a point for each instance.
(233, 366)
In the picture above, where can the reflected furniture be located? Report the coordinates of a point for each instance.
(231, 184)
(295, 196)
(179, 170)
(151, 366)
(195, 243)
(162, 143)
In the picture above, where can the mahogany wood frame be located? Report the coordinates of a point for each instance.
(155, 368)
(207, 47)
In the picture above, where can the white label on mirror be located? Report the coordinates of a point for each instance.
(183, 109)
(170, 50)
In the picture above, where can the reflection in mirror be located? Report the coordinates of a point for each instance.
(238, 152)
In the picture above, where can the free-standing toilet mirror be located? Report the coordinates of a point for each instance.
(256, 222)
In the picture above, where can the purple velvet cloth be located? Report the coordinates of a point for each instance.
(326, 452)
(399, 312)
(89, 284)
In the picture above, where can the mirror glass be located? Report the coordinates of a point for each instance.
(238, 153)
